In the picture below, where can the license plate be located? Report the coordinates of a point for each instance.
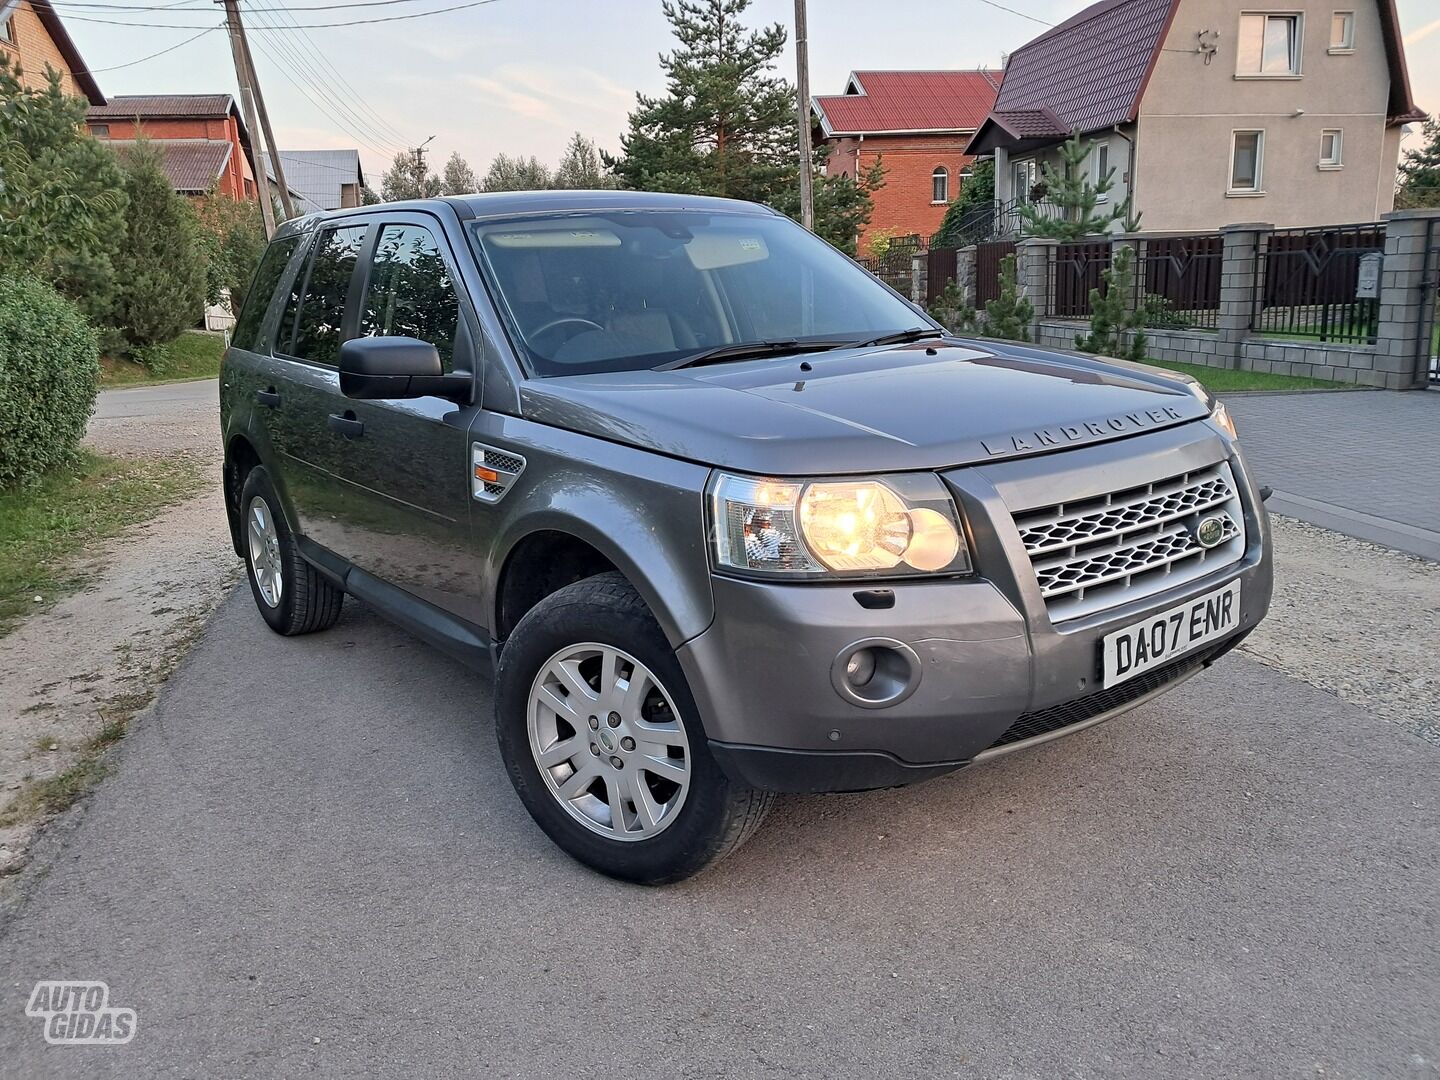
(1167, 634)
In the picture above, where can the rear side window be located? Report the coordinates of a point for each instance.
(262, 287)
(410, 293)
(322, 308)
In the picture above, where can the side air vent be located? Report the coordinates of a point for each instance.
(493, 472)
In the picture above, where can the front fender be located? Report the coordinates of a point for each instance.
(642, 511)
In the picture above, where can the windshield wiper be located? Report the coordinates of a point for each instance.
(749, 350)
(915, 333)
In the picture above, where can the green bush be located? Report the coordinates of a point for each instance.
(49, 375)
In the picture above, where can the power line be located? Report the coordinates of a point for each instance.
(296, 26)
(347, 117)
(283, 68)
(313, 48)
(1012, 11)
(152, 56)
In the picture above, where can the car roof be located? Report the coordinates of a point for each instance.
(502, 204)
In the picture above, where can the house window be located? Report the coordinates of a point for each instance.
(940, 185)
(100, 131)
(1023, 174)
(1342, 31)
(1247, 152)
(1100, 155)
(1330, 149)
(1269, 45)
(7, 30)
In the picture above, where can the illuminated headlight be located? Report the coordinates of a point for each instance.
(866, 527)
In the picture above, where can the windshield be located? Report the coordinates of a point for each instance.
(636, 289)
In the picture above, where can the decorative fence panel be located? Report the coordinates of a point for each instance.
(1321, 283)
(988, 258)
(893, 268)
(1177, 281)
(1078, 267)
(940, 269)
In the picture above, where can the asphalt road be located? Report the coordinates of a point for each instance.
(161, 400)
(309, 861)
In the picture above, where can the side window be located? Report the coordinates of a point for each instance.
(410, 293)
(262, 287)
(322, 309)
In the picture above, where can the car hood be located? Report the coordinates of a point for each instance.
(926, 405)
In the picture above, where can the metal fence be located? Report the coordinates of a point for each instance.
(988, 258)
(1075, 271)
(941, 264)
(1427, 340)
(1177, 281)
(893, 268)
(1321, 284)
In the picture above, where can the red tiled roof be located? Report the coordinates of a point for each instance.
(909, 101)
(171, 106)
(192, 165)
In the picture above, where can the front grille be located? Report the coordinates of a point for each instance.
(1069, 713)
(1096, 553)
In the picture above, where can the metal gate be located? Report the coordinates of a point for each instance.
(988, 258)
(1427, 351)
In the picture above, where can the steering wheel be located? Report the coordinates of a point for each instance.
(565, 320)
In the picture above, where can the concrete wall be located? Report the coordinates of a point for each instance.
(1190, 108)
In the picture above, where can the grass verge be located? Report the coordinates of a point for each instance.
(1224, 380)
(195, 354)
(43, 528)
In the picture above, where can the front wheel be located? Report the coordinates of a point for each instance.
(599, 733)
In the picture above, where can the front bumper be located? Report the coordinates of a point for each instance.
(996, 674)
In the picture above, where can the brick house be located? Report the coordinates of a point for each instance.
(202, 139)
(917, 123)
(1213, 112)
(32, 36)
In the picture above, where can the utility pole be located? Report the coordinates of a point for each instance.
(285, 200)
(247, 106)
(802, 108)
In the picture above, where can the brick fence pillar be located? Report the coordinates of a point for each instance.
(1033, 259)
(1239, 272)
(1401, 358)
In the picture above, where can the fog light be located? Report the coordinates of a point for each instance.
(860, 668)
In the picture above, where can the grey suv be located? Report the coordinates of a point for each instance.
(725, 515)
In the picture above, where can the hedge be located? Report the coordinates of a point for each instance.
(49, 376)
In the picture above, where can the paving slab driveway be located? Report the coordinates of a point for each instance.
(310, 861)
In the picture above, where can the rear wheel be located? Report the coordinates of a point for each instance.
(601, 739)
(291, 595)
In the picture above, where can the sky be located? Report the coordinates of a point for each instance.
(520, 76)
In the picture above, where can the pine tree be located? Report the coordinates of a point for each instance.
(580, 168)
(458, 178)
(516, 174)
(160, 265)
(1420, 171)
(1009, 315)
(1115, 329)
(62, 197)
(409, 178)
(726, 124)
(1069, 189)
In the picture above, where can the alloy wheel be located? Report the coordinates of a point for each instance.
(608, 742)
(265, 561)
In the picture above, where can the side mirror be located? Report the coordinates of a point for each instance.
(397, 367)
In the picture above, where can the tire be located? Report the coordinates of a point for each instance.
(669, 829)
(305, 601)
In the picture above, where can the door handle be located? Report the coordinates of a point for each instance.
(268, 398)
(346, 425)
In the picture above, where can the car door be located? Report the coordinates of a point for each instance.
(305, 390)
(407, 463)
